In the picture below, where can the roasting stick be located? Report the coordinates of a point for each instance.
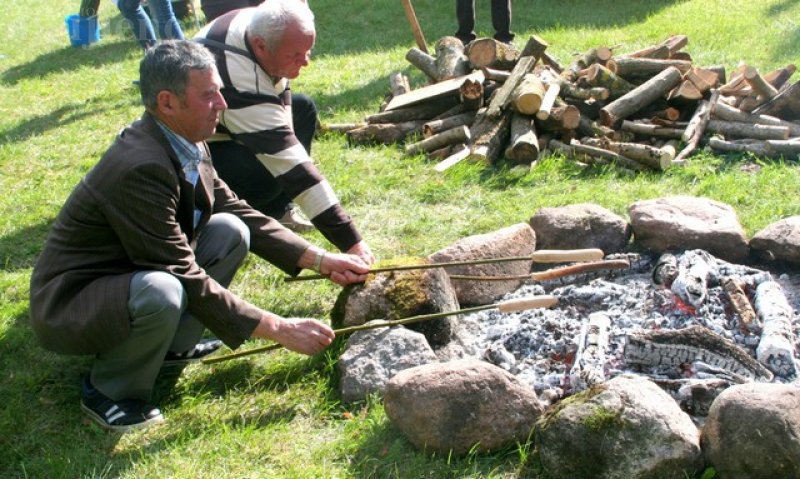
(541, 256)
(531, 302)
(553, 273)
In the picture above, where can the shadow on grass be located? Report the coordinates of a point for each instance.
(19, 249)
(67, 59)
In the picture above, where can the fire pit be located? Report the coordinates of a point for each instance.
(681, 320)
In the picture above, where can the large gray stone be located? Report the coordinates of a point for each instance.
(779, 241)
(580, 226)
(372, 357)
(687, 222)
(461, 405)
(753, 432)
(515, 240)
(625, 428)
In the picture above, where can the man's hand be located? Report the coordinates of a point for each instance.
(361, 249)
(344, 269)
(301, 335)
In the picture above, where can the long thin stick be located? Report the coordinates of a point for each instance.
(544, 301)
(541, 256)
(553, 273)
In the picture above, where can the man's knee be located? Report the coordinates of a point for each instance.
(156, 293)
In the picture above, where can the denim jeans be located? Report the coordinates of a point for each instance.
(167, 24)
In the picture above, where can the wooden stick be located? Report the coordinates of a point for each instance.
(522, 304)
(697, 127)
(540, 256)
(553, 273)
(415, 28)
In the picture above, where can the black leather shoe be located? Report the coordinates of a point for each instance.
(198, 352)
(119, 416)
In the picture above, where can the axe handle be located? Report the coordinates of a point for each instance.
(412, 19)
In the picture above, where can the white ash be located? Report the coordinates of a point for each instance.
(540, 346)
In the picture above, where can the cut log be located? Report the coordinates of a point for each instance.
(685, 92)
(594, 56)
(746, 130)
(548, 101)
(648, 129)
(595, 152)
(529, 94)
(759, 148)
(523, 144)
(787, 148)
(669, 114)
(455, 157)
(785, 105)
(459, 134)
(493, 74)
(451, 62)
(645, 67)
(719, 70)
(569, 89)
(535, 47)
(489, 135)
(600, 76)
(436, 126)
(419, 111)
(758, 83)
(470, 94)
(338, 127)
(503, 96)
(726, 112)
(639, 97)
(697, 126)
(662, 50)
(424, 62)
(561, 118)
(383, 133)
(703, 80)
(399, 84)
(777, 78)
(649, 156)
(427, 93)
(488, 52)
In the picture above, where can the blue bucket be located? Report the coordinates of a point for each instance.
(83, 31)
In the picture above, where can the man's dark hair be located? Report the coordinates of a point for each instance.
(166, 66)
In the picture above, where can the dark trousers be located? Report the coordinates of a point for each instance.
(248, 177)
(215, 8)
(501, 20)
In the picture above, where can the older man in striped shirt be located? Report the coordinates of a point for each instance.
(262, 146)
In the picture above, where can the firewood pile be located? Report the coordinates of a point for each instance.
(643, 110)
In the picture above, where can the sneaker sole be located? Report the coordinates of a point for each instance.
(130, 427)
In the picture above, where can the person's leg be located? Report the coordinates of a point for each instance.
(128, 371)
(501, 20)
(140, 23)
(222, 245)
(304, 119)
(166, 23)
(465, 13)
(214, 8)
(248, 178)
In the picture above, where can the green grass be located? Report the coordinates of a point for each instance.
(278, 415)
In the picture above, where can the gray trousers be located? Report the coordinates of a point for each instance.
(159, 319)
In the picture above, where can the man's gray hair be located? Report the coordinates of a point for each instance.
(166, 66)
(271, 18)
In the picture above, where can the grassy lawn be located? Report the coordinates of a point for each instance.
(279, 415)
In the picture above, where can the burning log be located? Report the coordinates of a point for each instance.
(488, 52)
(459, 134)
(637, 98)
(588, 368)
(673, 349)
(748, 320)
(777, 346)
(523, 146)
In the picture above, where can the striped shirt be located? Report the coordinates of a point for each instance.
(259, 116)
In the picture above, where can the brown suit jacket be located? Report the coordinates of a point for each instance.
(133, 212)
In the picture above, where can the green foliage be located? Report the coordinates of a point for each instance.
(278, 415)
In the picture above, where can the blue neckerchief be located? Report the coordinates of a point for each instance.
(189, 154)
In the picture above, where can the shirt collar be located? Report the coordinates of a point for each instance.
(188, 152)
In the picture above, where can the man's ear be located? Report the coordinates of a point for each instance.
(166, 102)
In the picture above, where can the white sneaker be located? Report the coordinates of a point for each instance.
(295, 221)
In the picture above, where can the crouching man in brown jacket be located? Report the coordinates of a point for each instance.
(138, 261)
